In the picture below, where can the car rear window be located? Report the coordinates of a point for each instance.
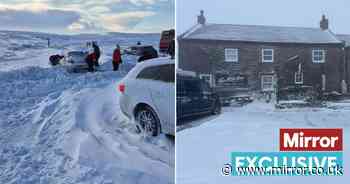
(149, 73)
(165, 73)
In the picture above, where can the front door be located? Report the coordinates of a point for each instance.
(267, 83)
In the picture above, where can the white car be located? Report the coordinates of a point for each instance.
(77, 59)
(148, 96)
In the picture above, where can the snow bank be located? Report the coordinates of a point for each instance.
(60, 127)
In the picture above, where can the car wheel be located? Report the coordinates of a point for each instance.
(148, 121)
(217, 108)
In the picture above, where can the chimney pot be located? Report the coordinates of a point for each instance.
(201, 18)
(324, 23)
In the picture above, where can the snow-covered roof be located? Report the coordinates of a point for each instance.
(259, 33)
(156, 61)
(344, 37)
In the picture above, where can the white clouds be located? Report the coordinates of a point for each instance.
(35, 20)
(124, 21)
(83, 26)
(76, 27)
(89, 15)
(142, 2)
(33, 7)
(100, 9)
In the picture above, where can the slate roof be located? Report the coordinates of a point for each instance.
(344, 37)
(257, 33)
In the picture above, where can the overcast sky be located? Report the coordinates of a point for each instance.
(87, 16)
(302, 13)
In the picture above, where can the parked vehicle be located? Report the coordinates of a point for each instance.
(165, 40)
(232, 96)
(131, 50)
(233, 90)
(77, 59)
(144, 52)
(194, 97)
(148, 96)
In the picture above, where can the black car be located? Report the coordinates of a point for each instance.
(195, 97)
(146, 52)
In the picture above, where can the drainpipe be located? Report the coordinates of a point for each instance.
(346, 72)
(344, 82)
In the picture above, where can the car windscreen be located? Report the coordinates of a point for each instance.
(76, 54)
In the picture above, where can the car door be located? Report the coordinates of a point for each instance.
(193, 93)
(183, 104)
(163, 95)
(206, 96)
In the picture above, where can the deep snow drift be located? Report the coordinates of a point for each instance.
(205, 145)
(60, 127)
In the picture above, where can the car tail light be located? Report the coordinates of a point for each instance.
(121, 88)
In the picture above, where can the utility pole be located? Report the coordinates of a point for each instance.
(48, 42)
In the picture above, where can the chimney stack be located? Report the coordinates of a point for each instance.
(324, 23)
(201, 18)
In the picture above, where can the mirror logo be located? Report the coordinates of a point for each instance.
(303, 152)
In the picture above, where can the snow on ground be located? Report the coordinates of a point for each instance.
(60, 127)
(204, 146)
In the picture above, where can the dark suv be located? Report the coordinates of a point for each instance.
(195, 97)
(146, 52)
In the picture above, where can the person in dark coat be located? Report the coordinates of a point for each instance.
(97, 52)
(55, 59)
(91, 59)
(117, 58)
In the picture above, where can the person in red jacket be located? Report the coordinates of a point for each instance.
(117, 58)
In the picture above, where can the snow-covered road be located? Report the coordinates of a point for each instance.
(204, 147)
(59, 127)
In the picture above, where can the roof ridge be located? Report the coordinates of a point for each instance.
(342, 34)
(261, 33)
(190, 31)
(257, 25)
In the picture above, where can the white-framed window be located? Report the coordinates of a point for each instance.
(318, 55)
(207, 77)
(267, 55)
(267, 82)
(298, 78)
(231, 55)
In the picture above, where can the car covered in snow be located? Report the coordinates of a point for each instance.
(148, 96)
(195, 97)
(77, 58)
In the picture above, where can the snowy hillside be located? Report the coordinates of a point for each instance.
(60, 127)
